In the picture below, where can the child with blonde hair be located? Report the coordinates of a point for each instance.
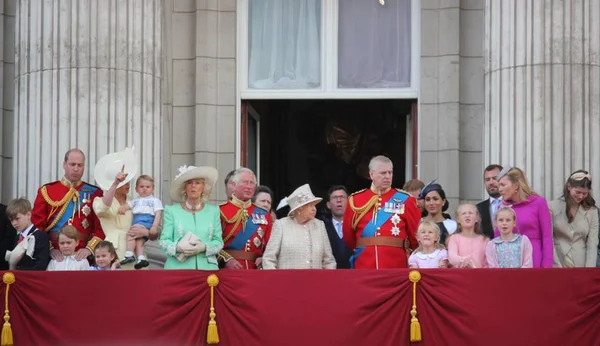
(508, 250)
(68, 238)
(430, 253)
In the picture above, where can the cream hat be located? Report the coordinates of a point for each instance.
(209, 174)
(300, 197)
(109, 165)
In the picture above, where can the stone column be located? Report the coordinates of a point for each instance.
(7, 75)
(542, 81)
(88, 75)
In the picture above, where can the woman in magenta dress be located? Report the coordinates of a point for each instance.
(533, 214)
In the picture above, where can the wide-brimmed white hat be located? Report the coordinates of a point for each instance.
(301, 196)
(109, 165)
(185, 173)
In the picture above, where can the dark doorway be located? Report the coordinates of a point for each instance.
(327, 142)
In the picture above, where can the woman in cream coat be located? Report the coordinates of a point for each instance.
(299, 241)
(575, 224)
(113, 174)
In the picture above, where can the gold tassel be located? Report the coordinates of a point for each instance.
(212, 336)
(7, 335)
(415, 327)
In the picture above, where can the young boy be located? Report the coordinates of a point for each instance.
(147, 211)
(31, 250)
(68, 238)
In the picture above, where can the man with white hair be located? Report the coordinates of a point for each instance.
(246, 226)
(380, 223)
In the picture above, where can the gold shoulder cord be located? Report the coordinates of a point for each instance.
(239, 217)
(62, 204)
(361, 211)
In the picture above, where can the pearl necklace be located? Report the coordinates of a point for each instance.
(193, 207)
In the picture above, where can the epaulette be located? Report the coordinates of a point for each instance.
(400, 190)
(52, 183)
(359, 191)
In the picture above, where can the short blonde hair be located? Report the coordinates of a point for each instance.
(425, 225)
(205, 194)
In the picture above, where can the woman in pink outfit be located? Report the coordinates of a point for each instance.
(533, 214)
(466, 247)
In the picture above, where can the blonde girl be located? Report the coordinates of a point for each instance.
(430, 253)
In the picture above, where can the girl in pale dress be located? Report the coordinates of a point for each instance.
(466, 247)
(430, 253)
(575, 223)
(509, 250)
(299, 241)
(192, 235)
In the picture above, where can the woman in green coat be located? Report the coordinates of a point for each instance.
(192, 235)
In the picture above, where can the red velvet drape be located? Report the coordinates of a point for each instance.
(289, 308)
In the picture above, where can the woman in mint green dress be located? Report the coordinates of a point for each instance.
(192, 235)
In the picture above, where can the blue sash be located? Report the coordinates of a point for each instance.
(382, 217)
(244, 235)
(85, 191)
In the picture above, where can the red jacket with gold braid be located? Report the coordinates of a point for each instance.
(392, 242)
(60, 203)
(236, 217)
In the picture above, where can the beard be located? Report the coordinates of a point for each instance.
(494, 194)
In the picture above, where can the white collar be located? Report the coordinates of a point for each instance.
(335, 222)
(432, 255)
(25, 233)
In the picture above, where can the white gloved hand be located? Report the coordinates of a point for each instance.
(7, 255)
(183, 247)
(195, 249)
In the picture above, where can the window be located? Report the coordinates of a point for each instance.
(284, 47)
(328, 48)
(374, 44)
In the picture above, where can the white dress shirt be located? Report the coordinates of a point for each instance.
(338, 225)
(494, 205)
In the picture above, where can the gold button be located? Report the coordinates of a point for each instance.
(378, 228)
(378, 233)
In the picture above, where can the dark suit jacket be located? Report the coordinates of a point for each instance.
(341, 252)
(41, 253)
(7, 236)
(486, 218)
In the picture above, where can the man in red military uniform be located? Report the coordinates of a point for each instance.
(246, 226)
(69, 201)
(380, 223)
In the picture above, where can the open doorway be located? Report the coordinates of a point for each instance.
(325, 142)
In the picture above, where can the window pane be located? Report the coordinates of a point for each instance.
(374, 44)
(284, 44)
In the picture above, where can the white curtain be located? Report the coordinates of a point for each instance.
(374, 47)
(284, 44)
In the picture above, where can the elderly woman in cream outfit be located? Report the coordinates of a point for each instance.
(299, 241)
(575, 223)
(113, 174)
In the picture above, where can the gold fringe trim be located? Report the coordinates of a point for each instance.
(212, 335)
(62, 204)
(7, 334)
(415, 327)
(361, 211)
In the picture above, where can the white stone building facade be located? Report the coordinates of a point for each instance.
(491, 81)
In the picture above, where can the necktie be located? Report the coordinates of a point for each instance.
(20, 238)
(338, 229)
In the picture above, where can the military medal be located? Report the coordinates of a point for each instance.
(395, 221)
(257, 242)
(85, 223)
(86, 210)
(260, 232)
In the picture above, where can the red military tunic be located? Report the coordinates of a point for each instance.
(390, 246)
(236, 217)
(60, 203)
